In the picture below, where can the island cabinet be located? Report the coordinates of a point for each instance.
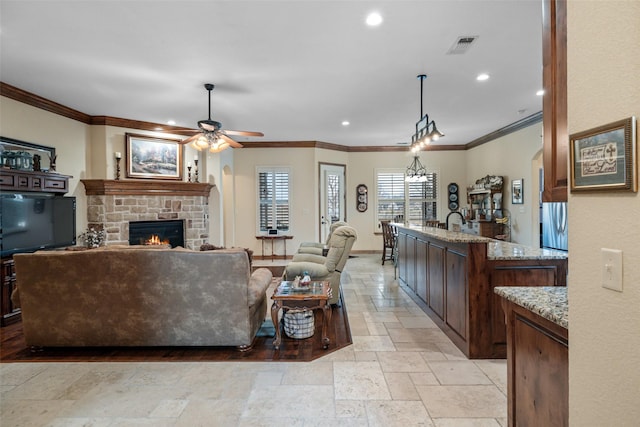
(452, 276)
(537, 355)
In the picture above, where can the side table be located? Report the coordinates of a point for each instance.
(313, 297)
(282, 237)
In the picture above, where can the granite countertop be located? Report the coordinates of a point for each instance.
(549, 302)
(445, 235)
(500, 250)
(496, 249)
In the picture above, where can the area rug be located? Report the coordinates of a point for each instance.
(14, 349)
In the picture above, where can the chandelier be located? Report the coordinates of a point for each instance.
(426, 130)
(416, 172)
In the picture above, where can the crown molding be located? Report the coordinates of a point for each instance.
(515, 126)
(34, 100)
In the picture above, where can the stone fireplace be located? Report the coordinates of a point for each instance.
(112, 204)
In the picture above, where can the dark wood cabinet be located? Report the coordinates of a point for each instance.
(410, 249)
(453, 282)
(523, 273)
(537, 369)
(554, 103)
(9, 313)
(421, 269)
(456, 292)
(401, 247)
(29, 181)
(435, 272)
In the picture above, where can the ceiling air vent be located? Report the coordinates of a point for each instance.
(461, 45)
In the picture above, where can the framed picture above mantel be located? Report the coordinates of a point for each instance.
(604, 158)
(153, 158)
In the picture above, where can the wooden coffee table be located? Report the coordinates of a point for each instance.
(315, 296)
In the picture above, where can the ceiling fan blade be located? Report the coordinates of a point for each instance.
(230, 141)
(243, 132)
(182, 131)
(191, 138)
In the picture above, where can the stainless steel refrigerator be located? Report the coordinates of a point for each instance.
(553, 224)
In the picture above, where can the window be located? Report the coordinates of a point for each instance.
(273, 199)
(398, 199)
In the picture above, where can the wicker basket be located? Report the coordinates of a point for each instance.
(299, 323)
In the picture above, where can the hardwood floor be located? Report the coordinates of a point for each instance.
(14, 349)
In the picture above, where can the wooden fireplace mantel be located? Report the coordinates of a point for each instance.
(128, 187)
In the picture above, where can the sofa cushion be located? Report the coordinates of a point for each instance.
(258, 283)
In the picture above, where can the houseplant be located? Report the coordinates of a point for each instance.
(93, 237)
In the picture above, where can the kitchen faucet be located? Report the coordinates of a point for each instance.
(454, 212)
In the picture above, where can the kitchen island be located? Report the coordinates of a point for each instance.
(452, 276)
(537, 322)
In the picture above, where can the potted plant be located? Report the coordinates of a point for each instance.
(93, 237)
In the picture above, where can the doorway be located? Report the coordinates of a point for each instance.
(332, 196)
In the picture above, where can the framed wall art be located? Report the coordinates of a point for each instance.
(517, 196)
(153, 158)
(604, 158)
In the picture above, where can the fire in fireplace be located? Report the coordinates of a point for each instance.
(157, 232)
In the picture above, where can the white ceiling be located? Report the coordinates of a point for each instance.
(291, 69)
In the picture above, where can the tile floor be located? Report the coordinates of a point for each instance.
(400, 371)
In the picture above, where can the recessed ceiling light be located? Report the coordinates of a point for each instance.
(374, 19)
(345, 123)
(540, 92)
(171, 122)
(482, 77)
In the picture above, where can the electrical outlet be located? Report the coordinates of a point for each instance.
(612, 269)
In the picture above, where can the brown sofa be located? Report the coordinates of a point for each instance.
(140, 297)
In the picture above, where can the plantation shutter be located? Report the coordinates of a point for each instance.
(423, 199)
(273, 205)
(390, 196)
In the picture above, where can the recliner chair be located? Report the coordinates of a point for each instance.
(317, 247)
(325, 267)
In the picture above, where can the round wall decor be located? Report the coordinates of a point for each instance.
(362, 199)
(453, 196)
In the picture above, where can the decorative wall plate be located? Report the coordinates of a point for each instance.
(362, 199)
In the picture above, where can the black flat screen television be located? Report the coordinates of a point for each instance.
(29, 222)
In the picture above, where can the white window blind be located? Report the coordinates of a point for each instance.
(398, 199)
(273, 199)
(390, 195)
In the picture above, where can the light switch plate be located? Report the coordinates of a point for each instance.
(612, 269)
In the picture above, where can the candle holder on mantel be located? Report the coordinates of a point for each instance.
(189, 174)
(196, 175)
(118, 157)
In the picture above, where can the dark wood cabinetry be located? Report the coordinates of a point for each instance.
(41, 182)
(454, 282)
(32, 182)
(537, 369)
(435, 278)
(554, 104)
(8, 312)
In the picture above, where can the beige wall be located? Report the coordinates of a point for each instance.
(511, 156)
(87, 152)
(69, 137)
(604, 325)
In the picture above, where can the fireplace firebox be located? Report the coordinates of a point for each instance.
(157, 232)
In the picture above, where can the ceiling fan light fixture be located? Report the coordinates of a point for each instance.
(211, 136)
(218, 147)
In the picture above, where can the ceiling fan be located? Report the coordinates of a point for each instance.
(210, 134)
